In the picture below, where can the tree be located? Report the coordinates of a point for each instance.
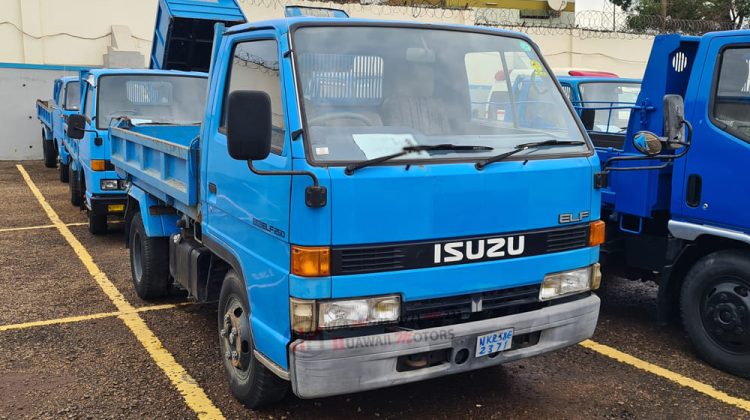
(710, 14)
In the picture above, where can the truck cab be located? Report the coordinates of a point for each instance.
(685, 224)
(142, 97)
(604, 105)
(53, 114)
(359, 224)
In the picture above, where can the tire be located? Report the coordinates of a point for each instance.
(50, 153)
(715, 308)
(64, 174)
(251, 383)
(149, 261)
(74, 185)
(97, 223)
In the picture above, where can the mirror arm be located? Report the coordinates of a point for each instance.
(315, 196)
(668, 158)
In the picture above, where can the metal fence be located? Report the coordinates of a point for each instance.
(589, 23)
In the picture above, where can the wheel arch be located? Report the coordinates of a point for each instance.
(671, 279)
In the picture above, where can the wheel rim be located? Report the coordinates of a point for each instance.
(137, 260)
(235, 337)
(725, 313)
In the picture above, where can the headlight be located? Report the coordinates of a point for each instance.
(309, 315)
(109, 184)
(569, 282)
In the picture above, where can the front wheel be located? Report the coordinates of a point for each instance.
(64, 174)
(97, 223)
(50, 153)
(149, 261)
(74, 185)
(715, 306)
(251, 382)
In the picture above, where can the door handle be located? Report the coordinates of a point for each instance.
(693, 193)
(212, 187)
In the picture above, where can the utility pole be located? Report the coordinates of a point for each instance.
(663, 14)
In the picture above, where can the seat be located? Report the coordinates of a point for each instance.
(415, 105)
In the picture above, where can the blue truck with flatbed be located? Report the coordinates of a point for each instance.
(683, 223)
(359, 226)
(53, 114)
(143, 98)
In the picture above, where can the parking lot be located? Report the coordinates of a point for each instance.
(77, 342)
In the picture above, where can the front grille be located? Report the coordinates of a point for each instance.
(367, 260)
(361, 259)
(568, 239)
(466, 308)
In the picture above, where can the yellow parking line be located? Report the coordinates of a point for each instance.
(38, 227)
(81, 318)
(191, 392)
(666, 374)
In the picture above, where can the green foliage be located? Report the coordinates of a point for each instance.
(646, 14)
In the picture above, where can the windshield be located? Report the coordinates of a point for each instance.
(151, 99)
(370, 91)
(72, 96)
(610, 102)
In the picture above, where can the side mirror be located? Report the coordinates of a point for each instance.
(249, 125)
(76, 126)
(674, 116)
(647, 143)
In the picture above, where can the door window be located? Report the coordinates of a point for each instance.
(255, 66)
(88, 105)
(730, 109)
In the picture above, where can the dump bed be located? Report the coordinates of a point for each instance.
(44, 112)
(161, 160)
(184, 33)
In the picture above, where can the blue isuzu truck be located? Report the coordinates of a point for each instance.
(142, 97)
(358, 224)
(53, 115)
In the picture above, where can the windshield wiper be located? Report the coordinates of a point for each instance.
(414, 149)
(525, 146)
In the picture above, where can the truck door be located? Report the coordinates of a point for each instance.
(714, 185)
(248, 213)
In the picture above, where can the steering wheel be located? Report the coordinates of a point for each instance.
(334, 115)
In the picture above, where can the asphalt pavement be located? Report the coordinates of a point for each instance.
(76, 342)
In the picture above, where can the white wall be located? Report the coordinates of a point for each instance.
(94, 19)
(19, 90)
(78, 32)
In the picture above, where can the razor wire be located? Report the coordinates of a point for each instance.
(584, 24)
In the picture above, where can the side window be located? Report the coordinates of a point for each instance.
(255, 66)
(72, 96)
(88, 105)
(56, 94)
(731, 102)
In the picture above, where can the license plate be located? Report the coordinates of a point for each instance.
(494, 342)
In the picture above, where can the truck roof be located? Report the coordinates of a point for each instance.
(96, 73)
(282, 25)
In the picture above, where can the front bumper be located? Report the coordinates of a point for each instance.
(321, 368)
(100, 203)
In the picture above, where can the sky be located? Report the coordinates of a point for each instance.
(598, 5)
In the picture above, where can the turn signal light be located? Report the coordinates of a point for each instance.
(596, 233)
(97, 165)
(311, 261)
